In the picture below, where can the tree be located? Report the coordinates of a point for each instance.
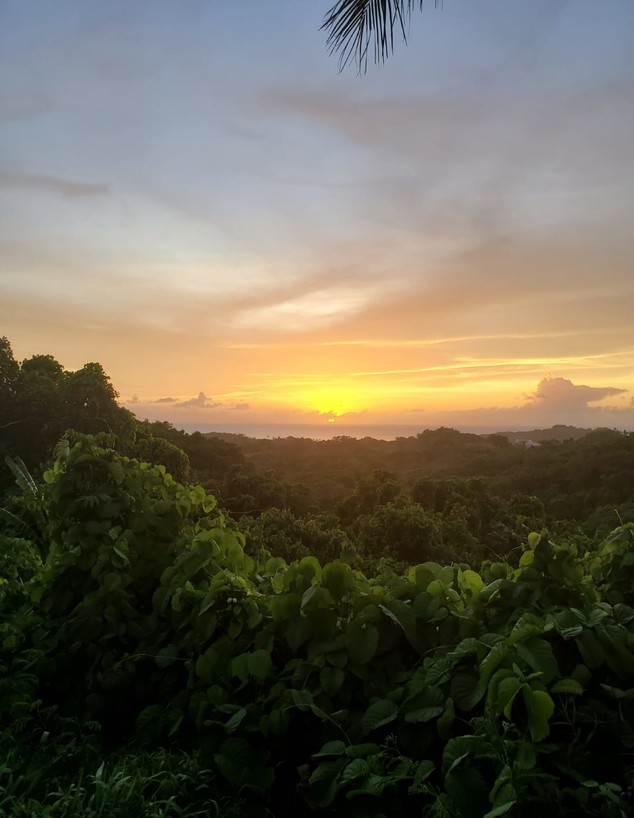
(40, 401)
(159, 451)
(354, 26)
(9, 371)
(282, 534)
(401, 529)
(369, 494)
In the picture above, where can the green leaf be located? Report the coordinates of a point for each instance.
(567, 686)
(206, 665)
(361, 641)
(259, 664)
(166, 656)
(111, 581)
(378, 714)
(310, 568)
(373, 785)
(423, 714)
(567, 624)
(444, 725)
(490, 590)
(466, 647)
(590, 648)
(421, 575)
(240, 667)
(338, 578)
(236, 720)
(491, 661)
(235, 553)
(331, 679)
(357, 768)
(538, 654)
(316, 597)
(533, 539)
(507, 690)
(470, 581)
(284, 607)
(302, 698)
(323, 778)
(459, 748)
(540, 708)
(527, 558)
(331, 748)
(526, 756)
(403, 615)
(423, 771)
(466, 690)
(118, 550)
(209, 503)
(362, 750)
(501, 810)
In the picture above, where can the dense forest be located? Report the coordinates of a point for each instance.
(439, 625)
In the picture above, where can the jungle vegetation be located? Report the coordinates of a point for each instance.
(195, 625)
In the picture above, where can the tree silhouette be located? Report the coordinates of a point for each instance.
(355, 27)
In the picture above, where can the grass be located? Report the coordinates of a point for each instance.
(158, 784)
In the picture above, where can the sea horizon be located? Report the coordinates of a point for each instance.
(314, 431)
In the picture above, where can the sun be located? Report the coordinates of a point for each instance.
(329, 400)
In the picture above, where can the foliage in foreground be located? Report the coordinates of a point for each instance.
(133, 617)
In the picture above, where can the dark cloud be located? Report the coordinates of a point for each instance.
(202, 402)
(51, 184)
(562, 394)
(165, 400)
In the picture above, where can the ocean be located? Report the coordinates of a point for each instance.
(326, 431)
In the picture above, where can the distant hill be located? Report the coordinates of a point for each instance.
(559, 432)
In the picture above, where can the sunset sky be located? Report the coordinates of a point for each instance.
(192, 194)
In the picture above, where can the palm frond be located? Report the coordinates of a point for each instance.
(23, 476)
(17, 526)
(354, 26)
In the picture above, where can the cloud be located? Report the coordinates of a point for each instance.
(24, 104)
(51, 184)
(556, 400)
(318, 308)
(240, 406)
(560, 394)
(164, 400)
(201, 402)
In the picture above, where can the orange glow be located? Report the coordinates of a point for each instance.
(330, 399)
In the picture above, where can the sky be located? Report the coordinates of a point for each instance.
(193, 194)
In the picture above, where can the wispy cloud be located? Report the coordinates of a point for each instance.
(17, 105)
(317, 308)
(43, 183)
